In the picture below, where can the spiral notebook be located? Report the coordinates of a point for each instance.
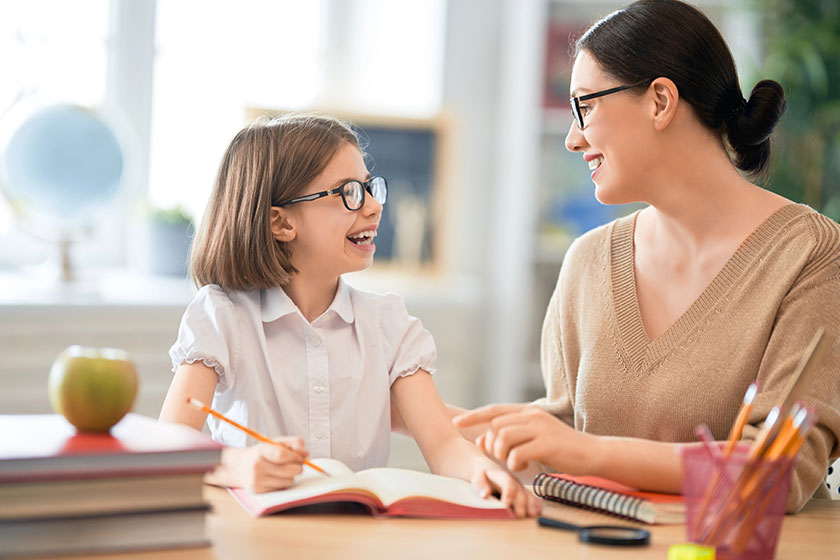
(607, 496)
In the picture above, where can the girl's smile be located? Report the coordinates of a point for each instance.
(363, 239)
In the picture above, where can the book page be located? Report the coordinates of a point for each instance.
(392, 485)
(336, 468)
(311, 483)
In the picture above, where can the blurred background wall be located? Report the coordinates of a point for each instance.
(465, 107)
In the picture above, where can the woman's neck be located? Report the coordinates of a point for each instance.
(698, 200)
(313, 296)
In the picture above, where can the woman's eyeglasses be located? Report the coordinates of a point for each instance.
(352, 193)
(577, 112)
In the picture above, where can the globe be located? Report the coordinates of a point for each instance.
(63, 162)
(60, 165)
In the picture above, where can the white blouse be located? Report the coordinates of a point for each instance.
(327, 381)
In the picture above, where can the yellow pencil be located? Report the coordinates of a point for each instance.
(734, 436)
(253, 433)
(786, 433)
(741, 420)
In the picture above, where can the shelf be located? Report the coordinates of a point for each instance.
(114, 287)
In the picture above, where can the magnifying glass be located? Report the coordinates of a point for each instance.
(613, 535)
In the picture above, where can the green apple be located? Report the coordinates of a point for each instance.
(92, 387)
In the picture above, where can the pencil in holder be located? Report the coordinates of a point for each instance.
(734, 504)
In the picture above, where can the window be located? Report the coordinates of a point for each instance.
(347, 56)
(213, 60)
(53, 51)
(244, 53)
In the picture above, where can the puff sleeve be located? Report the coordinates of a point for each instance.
(407, 344)
(207, 333)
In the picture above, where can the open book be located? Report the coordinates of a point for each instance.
(386, 492)
(607, 496)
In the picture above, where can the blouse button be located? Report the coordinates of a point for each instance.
(315, 342)
(319, 388)
(319, 434)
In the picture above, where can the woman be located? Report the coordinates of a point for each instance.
(661, 320)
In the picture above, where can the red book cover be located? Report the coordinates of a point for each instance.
(613, 486)
(46, 446)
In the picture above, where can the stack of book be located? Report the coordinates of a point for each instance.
(138, 487)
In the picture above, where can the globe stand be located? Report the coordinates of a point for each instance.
(56, 271)
(66, 274)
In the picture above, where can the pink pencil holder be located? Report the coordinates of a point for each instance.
(734, 504)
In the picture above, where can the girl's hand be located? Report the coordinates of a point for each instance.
(262, 467)
(517, 435)
(489, 477)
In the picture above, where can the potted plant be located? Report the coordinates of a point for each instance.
(169, 234)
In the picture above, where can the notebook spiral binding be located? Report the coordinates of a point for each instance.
(589, 497)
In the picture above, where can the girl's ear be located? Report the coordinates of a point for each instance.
(665, 99)
(282, 224)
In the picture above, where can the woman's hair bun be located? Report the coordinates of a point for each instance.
(673, 39)
(749, 130)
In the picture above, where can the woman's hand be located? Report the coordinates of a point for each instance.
(489, 477)
(517, 434)
(262, 467)
(471, 424)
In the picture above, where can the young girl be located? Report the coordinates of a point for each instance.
(661, 320)
(280, 343)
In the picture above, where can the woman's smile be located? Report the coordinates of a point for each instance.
(594, 162)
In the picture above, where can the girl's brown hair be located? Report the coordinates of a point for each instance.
(271, 160)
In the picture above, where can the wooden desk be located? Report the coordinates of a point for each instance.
(813, 533)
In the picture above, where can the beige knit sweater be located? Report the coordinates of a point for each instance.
(752, 323)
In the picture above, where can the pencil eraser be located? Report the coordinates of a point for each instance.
(691, 551)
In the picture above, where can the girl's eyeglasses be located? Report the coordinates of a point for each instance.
(352, 193)
(577, 113)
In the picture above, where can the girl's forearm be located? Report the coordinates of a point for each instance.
(456, 458)
(469, 432)
(645, 464)
(430, 424)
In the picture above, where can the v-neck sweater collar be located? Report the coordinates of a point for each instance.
(643, 352)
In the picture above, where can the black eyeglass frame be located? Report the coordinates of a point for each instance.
(367, 186)
(575, 101)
